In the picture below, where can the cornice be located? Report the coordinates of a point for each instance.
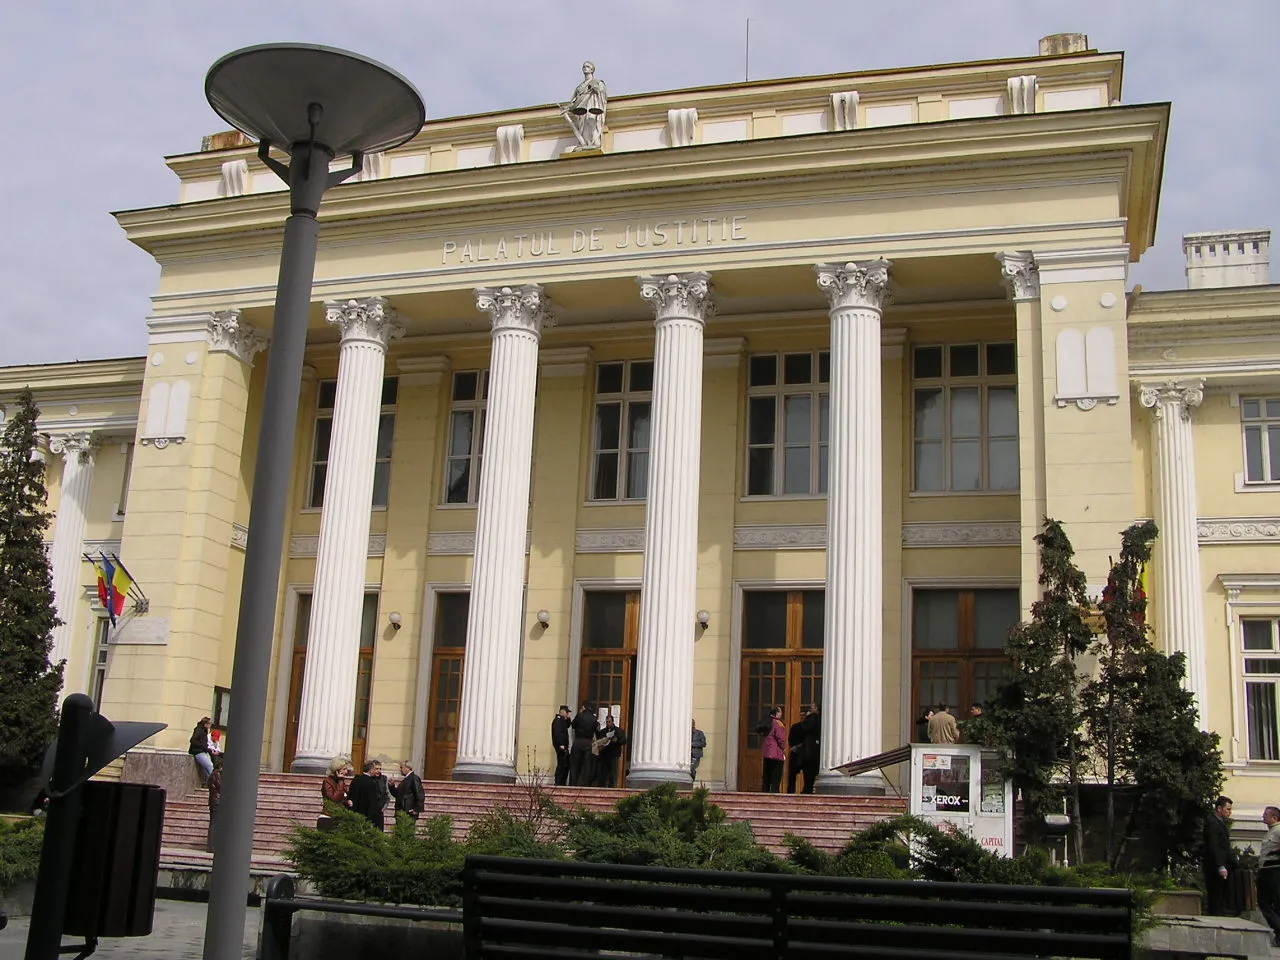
(999, 533)
(1226, 530)
(308, 546)
(1135, 135)
(610, 541)
(52, 382)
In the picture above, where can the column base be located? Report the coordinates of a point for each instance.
(869, 784)
(475, 771)
(645, 777)
(316, 763)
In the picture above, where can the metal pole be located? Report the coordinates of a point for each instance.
(49, 909)
(233, 841)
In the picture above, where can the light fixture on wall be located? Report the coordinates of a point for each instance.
(704, 619)
(396, 620)
(544, 618)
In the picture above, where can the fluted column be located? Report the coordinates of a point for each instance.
(1179, 593)
(853, 651)
(491, 675)
(68, 544)
(327, 712)
(664, 660)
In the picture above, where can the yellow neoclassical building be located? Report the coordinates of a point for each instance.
(760, 399)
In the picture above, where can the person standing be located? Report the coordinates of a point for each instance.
(365, 794)
(609, 741)
(697, 746)
(334, 786)
(581, 762)
(410, 797)
(198, 747)
(943, 727)
(1269, 872)
(811, 748)
(774, 748)
(215, 797)
(560, 727)
(1218, 858)
(795, 752)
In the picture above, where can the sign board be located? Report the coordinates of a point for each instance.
(960, 785)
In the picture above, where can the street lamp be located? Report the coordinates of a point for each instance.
(314, 103)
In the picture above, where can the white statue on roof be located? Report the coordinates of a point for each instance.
(585, 112)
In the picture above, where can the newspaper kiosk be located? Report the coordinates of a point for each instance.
(961, 784)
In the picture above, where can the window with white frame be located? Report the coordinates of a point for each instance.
(1261, 648)
(788, 423)
(321, 446)
(466, 436)
(964, 418)
(1260, 417)
(101, 631)
(621, 430)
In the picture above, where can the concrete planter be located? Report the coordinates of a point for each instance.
(1176, 937)
(16, 901)
(329, 936)
(1178, 903)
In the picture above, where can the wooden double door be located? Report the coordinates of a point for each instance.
(782, 636)
(364, 678)
(448, 658)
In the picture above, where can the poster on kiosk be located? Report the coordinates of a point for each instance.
(961, 785)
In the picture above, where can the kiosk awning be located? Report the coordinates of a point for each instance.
(881, 760)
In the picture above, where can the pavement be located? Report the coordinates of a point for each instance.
(177, 934)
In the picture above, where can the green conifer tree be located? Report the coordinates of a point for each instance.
(28, 706)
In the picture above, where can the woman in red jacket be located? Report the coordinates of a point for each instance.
(774, 747)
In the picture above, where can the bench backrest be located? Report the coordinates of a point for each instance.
(541, 908)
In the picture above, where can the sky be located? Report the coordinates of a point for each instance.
(93, 96)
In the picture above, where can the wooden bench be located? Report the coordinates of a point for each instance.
(556, 909)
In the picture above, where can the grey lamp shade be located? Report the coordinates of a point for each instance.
(265, 91)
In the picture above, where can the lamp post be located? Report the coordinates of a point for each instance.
(313, 103)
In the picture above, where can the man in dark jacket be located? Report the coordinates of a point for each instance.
(581, 762)
(795, 753)
(811, 748)
(609, 752)
(365, 793)
(560, 727)
(410, 797)
(1218, 859)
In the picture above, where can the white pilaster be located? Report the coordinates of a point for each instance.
(68, 543)
(1179, 593)
(327, 711)
(668, 598)
(853, 647)
(490, 677)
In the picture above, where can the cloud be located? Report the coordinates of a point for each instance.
(95, 95)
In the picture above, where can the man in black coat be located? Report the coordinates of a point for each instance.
(560, 727)
(811, 748)
(410, 797)
(795, 753)
(365, 794)
(581, 762)
(610, 751)
(1218, 859)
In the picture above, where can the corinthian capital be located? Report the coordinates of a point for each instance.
(864, 284)
(679, 296)
(1021, 274)
(1171, 395)
(229, 334)
(526, 307)
(68, 445)
(371, 319)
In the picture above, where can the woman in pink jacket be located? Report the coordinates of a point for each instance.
(774, 747)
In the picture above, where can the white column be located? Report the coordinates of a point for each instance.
(327, 712)
(852, 671)
(491, 674)
(1179, 593)
(68, 545)
(668, 599)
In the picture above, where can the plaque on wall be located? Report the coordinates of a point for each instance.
(142, 630)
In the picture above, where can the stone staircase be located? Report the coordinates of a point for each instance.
(285, 799)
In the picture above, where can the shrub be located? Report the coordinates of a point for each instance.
(20, 843)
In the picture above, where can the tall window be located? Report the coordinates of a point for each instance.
(448, 657)
(101, 631)
(466, 436)
(965, 423)
(957, 646)
(1261, 681)
(1261, 419)
(620, 439)
(324, 437)
(123, 502)
(610, 635)
(788, 423)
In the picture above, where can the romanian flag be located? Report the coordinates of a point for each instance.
(114, 584)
